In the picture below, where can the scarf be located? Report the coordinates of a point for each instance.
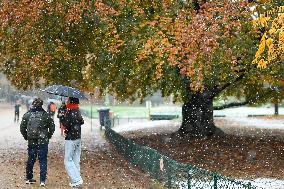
(72, 106)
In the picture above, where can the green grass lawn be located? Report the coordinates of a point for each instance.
(132, 112)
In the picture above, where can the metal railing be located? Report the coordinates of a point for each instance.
(170, 172)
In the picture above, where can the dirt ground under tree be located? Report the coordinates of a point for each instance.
(245, 152)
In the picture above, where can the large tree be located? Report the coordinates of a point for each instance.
(195, 50)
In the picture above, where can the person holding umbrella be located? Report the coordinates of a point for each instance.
(72, 122)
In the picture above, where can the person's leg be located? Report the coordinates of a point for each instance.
(77, 155)
(18, 116)
(42, 156)
(32, 154)
(62, 129)
(69, 162)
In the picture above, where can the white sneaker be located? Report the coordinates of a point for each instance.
(76, 184)
(42, 184)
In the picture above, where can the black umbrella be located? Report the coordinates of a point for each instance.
(66, 91)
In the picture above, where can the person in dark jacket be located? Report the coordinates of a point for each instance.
(37, 127)
(17, 111)
(51, 109)
(72, 123)
(60, 115)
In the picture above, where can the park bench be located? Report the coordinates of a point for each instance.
(259, 115)
(163, 116)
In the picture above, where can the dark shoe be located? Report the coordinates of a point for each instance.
(30, 181)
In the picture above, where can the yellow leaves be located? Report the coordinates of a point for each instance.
(266, 1)
(262, 21)
(271, 52)
(262, 64)
(281, 43)
(273, 29)
(269, 42)
(281, 36)
(261, 47)
(271, 46)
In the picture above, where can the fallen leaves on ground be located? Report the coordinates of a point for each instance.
(233, 156)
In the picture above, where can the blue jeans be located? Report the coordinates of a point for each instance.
(34, 151)
(72, 159)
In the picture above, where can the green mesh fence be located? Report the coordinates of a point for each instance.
(169, 172)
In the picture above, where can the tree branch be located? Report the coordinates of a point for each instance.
(234, 104)
(217, 90)
(242, 73)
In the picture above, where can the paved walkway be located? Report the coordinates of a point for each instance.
(101, 165)
(12, 138)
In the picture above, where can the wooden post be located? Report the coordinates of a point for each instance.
(91, 94)
(276, 109)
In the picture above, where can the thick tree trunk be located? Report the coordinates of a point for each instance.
(197, 116)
